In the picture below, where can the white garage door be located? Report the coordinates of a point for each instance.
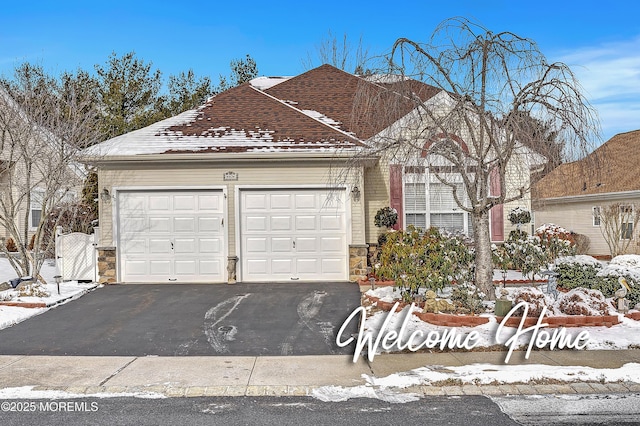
(171, 236)
(293, 234)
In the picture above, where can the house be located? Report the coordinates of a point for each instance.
(259, 184)
(36, 172)
(573, 194)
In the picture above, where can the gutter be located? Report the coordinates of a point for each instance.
(588, 197)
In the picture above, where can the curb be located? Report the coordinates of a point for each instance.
(423, 391)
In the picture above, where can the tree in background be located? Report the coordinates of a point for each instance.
(38, 114)
(186, 92)
(618, 225)
(128, 92)
(470, 132)
(342, 54)
(242, 71)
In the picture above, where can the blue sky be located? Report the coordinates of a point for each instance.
(600, 41)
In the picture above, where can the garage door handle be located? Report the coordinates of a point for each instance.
(294, 244)
(171, 245)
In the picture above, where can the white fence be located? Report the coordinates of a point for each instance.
(76, 256)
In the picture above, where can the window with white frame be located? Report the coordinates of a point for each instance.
(429, 202)
(626, 222)
(37, 199)
(596, 215)
(35, 211)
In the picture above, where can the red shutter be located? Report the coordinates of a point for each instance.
(395, 196)
(497, 212)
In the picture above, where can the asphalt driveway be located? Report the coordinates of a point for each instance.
(198, 319)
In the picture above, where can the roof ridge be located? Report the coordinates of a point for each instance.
(287, 104)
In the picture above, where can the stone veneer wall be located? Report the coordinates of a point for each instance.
(358, 261)
(106, 265)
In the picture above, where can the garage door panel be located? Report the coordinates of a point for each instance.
(256, 223)
(307, 266)
(281, 223)
(171, 235)
(186, 267)
(134, 224)
(184, 203)
(281, 266)
(306, 201)
(281, 245)
(160, 267)
(209, 203)
(159, 224)
(256, 245)
(257, 267)
(210, 245)
(159, 203)
(331, 223)
(307, 244)
(185, 246)
(332, 244)
(280, 201)
(305, 223)
(255, 202)
(210, 267)
(135, 267)
(333, 201)
(184, 224)
(159, 246)
(134, 246)
(332, 266)
(287, 235)
(210, 224)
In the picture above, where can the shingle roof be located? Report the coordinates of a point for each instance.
(333, 92)
(613, 167)
(311, 112)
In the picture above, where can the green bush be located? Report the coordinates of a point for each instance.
(574, 274)
(428, 260)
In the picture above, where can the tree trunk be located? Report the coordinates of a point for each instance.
(483, 261)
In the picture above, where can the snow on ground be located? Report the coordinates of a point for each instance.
(389, 388)
(10, 315)
(27, 392)
(625, 335)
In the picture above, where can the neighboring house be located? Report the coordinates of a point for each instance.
(30, 165)
(573, 194)
(259, 184)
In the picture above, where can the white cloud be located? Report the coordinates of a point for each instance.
(610, 75)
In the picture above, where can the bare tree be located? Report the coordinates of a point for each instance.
(618, 224)
(342, 54)
(468, 135)
(44, 122)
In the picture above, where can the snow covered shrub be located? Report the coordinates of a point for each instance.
(418, 259)
(583, 301)
(467, 298)
(534, 298)
(555, 241)
(526, 255)
(386, 217)
(585, 271)
(577, 271)
(33, 290)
